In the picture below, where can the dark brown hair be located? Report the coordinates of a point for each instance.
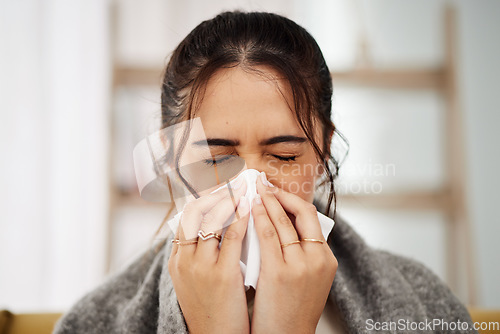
(250, 39)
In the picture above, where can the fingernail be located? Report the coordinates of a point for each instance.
(263, 178)
(265, 181)
(257, 199)
(243, 206)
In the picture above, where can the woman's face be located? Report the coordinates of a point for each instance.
(245, 114)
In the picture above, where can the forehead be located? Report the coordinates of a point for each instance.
(240, 102)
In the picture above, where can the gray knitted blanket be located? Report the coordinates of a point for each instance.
(375, 292)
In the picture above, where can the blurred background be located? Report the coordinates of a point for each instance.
(415, 94)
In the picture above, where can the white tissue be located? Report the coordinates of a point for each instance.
(250, 252)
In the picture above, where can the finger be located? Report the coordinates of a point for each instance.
(230, 251)
(174, 244)
(269, 242)
(185, 249)
(213, 221)
(221, 215)
(306, 217)
(280, 220)
(195, 210)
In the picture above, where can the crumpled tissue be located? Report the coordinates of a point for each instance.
(250, 252)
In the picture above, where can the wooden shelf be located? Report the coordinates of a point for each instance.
(450, 199)
(392, 78)
(135, 201)
(137, 76)
(422, 200)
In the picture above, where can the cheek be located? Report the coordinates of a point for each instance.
(302, 186)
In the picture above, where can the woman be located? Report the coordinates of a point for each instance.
(262, 90)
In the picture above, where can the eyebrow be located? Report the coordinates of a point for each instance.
(265, 142)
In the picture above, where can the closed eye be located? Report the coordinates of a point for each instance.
(218, 159)
(282, 158)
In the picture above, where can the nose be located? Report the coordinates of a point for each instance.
(261, 165)
(255, 158)
(253, 163)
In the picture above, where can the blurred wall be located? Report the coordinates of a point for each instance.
(54, 95)
(479, 57)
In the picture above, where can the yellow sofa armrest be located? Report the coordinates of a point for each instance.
(486, 316)
(27, 323)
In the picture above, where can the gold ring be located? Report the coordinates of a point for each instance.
(180, 243)
(206, 236)
(314, 240)
(290, 243)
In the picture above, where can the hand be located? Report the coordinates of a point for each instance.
(207, 281)
(294, 281)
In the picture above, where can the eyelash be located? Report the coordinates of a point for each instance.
(291, 158)
(213, 162)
